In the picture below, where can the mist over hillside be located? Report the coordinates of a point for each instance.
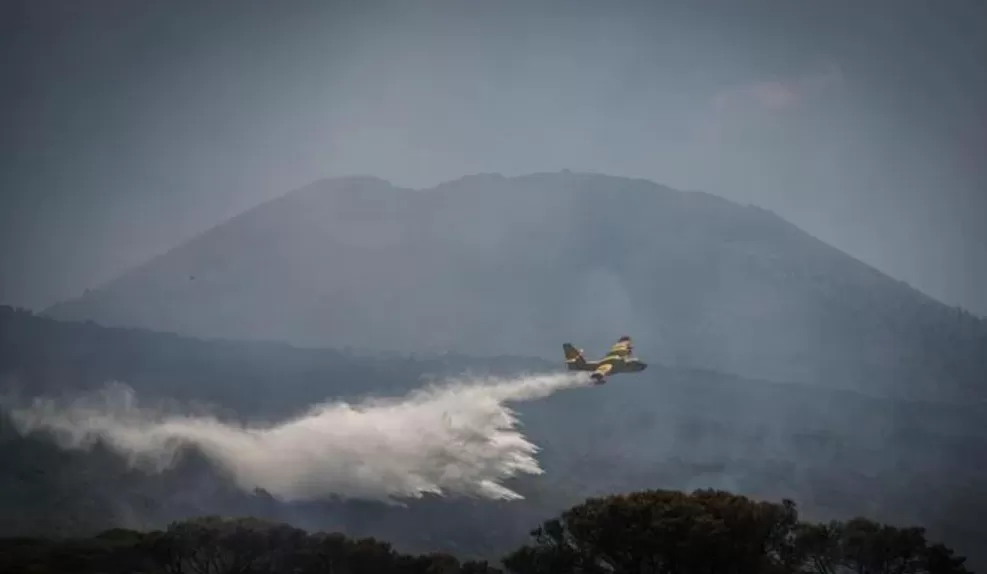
(838, 453)
(489, 265)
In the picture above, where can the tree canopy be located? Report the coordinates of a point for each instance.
(712, 531)
(644, 532)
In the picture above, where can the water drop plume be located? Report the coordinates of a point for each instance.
(455, 438)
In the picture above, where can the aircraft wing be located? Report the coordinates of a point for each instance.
(621, 348)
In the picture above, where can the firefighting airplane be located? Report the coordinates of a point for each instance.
(618, 360)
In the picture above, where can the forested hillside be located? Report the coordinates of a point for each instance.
(838, 453)
(488, 265)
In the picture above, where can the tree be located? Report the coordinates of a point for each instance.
(478, 567)
(709, 532)
(867, 547)
(818, 547)
(660, 531)
(213, 545)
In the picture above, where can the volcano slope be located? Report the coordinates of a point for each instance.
(489, 264)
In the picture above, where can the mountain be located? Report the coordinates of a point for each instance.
(495, 265)
(837, 453)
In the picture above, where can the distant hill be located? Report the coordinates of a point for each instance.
(493, 265)
(838, 453)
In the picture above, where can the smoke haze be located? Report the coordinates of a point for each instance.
(457, 438)
(131, 127)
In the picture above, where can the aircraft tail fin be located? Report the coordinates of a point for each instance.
(572, 354)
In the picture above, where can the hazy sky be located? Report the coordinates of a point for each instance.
(126, 127)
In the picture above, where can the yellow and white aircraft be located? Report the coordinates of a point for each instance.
(618, 360)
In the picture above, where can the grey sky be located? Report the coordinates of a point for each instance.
(126, 127)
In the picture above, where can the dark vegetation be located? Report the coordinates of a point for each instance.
(838, 453)
(517, 265)
(656, 531)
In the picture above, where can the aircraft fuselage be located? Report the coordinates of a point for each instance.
(618, 364)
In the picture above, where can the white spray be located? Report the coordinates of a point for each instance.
(458, 438)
